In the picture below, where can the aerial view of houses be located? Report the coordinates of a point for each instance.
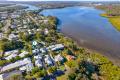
(29, 46)
(32, 48)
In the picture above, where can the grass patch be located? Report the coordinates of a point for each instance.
(62, 67)
(114, 20)
(63, 77)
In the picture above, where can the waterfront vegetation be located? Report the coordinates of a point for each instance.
(59, 4)
(114, 20)
(112, 12)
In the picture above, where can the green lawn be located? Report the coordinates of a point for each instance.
(63, 77)
(62, 67)
(115, 21)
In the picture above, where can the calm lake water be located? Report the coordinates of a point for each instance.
(89, 29)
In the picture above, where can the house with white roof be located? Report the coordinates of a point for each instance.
(48, 60)
(29, 67)
(4, 15)
(11, 56)
(45, 21)
(35, 51)
(7, 53)
(58, 58)
(25, 26)
(50, 47)
(37, 57)
(43, 43)
(23, 68)
(7, 76)
(1, 35)
(46, 31)
(24, 22)
(56, 47)
(15, 15)
(38, 63)
(13, 37)
(16, 64)
(13, 26)
(28, 19)
(43, 50)
(23, 54)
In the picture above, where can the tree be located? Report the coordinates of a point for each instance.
(69, 52)
(48, 39)
(2, 48)
(10, 45)
(71, 64)
(12, 60)
(52, 32)
(3, 62)
(17, 58)
(28, 77)
(52, 69)
(39, 74)
(1, 25)
(16, 77)
(35, 70)
(28, 47)
(23, 36)
(79, 76)
(82, 50)
(37, 35)
(71, 76)
(52, 22)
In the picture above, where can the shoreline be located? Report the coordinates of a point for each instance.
(114, 20)
(92, 51)
(106, 54)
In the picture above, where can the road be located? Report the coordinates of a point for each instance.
(8, 24)
(32, 19)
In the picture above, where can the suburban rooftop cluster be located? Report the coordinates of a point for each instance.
(29, 43)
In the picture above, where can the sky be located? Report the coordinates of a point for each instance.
(59, 0)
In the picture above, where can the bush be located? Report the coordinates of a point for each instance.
(52, 69)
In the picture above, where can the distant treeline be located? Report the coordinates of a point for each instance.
(51, 5)
(111, 10)
(4, 5)
(12, 8)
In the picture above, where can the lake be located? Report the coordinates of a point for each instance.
(89, 29)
